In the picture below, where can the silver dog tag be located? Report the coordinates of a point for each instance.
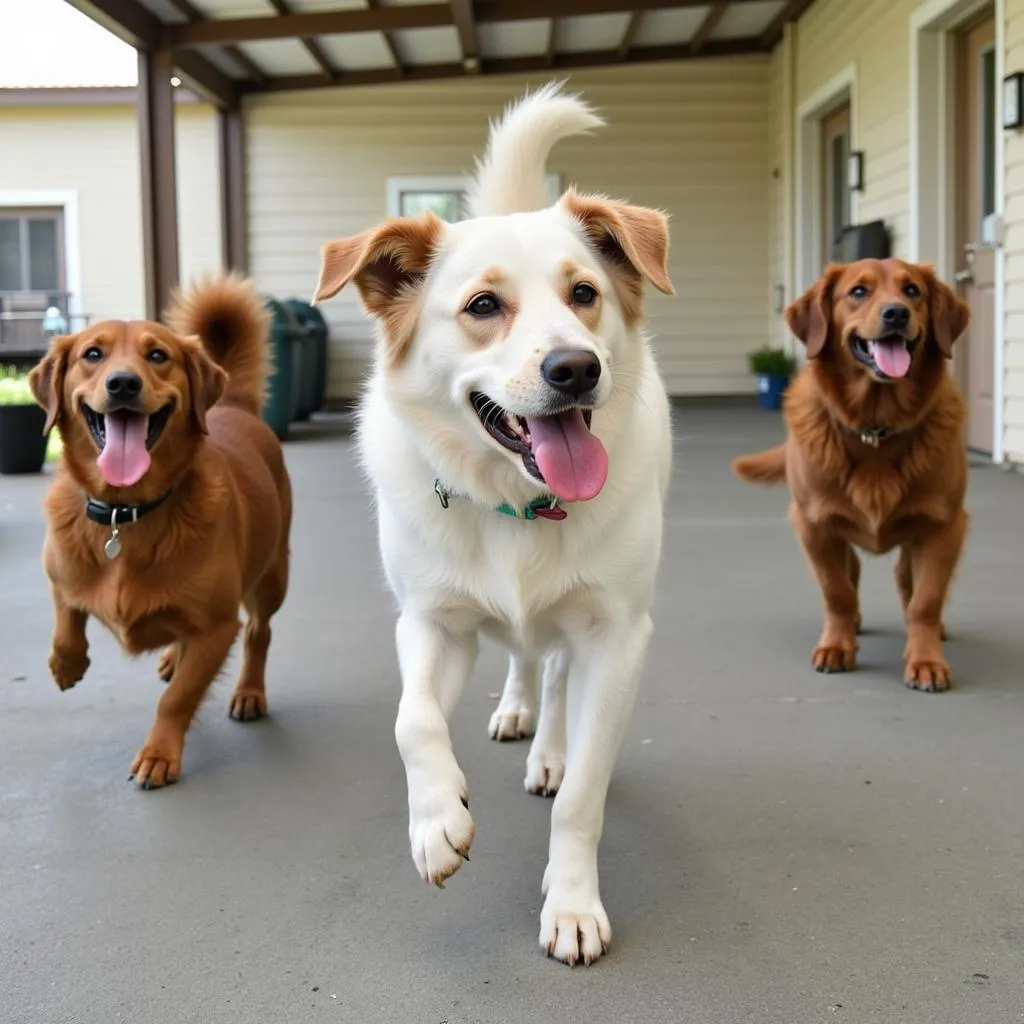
(112, 548)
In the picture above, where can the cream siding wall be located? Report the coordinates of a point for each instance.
(778, 250)
(1013, 434)
(689, 138)
(875, 35)
(95, 152)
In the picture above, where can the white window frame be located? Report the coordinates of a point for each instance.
(447, 183)
(67, 200)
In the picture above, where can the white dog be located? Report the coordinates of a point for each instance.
(517, 435)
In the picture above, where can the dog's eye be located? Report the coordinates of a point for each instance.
(93, 354)
(911, 291)
(584, 295)
(484, 305)
(858, 291)
(158, 356)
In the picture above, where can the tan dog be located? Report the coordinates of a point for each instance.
(875, 455)
(172, 506)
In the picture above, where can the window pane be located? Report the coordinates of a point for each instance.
(988, 133)
(44, 275)
(10, 255)
(447, 205)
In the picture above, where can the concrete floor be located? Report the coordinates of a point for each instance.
(780, 847)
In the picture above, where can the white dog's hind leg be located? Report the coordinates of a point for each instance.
(515, 717)
(435, 665)
(603, 679)
(545, 764)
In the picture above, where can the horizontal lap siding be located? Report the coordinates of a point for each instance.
(688, 138)
(1013, 382)
(95, 152)
(874, 35)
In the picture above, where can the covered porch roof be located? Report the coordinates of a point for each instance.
(228, 49)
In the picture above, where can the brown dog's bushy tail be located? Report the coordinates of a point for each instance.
(764, 467)
(229, 317)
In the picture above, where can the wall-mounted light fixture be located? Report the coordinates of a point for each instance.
(855, 170)
(1013, 100)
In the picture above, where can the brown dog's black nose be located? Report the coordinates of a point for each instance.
(124, 385)
(896, 316)
(573, 371)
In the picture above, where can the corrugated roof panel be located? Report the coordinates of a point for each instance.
(514, 38)
(667, 28)
(357, 51)
(744, 20)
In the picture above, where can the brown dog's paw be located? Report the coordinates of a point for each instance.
(168, 663)
(247, 705)
(832, 658)
(68, 667)
(932, 675)
(155, 766)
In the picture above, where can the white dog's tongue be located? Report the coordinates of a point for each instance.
(124, 459)
(572, 459)
(892, 357)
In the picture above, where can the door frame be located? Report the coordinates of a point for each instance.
(933, 209)
(67, 200)
(839, 90)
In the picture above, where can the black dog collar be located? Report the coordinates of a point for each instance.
(117, 515)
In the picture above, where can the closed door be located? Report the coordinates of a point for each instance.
(835, 178)
(976, 199)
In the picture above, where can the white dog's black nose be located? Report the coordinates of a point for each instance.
(573, 371)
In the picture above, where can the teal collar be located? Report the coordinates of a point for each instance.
(540, 508)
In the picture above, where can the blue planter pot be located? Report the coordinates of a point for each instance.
(770, 389)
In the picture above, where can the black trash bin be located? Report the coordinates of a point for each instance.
(281, 403)
(316, 335)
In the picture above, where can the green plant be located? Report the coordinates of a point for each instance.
(14, 389)
(772, 361)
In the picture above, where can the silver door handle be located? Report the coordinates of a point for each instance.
(963, 276)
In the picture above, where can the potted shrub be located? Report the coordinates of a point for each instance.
(773, 368)
(22, 441)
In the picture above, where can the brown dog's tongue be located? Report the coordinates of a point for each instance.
(892, 358)
(124, 459)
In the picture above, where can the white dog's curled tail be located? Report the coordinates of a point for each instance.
(511, 176)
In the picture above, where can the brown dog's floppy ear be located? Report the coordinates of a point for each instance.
(948, 315)
(47, 379)
(632, 238)
(810, 316)
(206, 381)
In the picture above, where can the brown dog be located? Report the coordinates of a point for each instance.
(172, 507)
(875, 455)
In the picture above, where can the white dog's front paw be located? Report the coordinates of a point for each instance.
(441, 832)
(513, 721)
(544, 771)
(574, 927)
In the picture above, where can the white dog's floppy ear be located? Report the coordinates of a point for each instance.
(633, 238)
(387, 263)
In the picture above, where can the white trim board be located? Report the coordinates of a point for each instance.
(932, 130)
(807, 160)
(447, 183)
(67, 199)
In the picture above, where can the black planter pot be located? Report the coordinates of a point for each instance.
(22, 442)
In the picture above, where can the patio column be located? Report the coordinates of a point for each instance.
(159, 199)
(233, 212)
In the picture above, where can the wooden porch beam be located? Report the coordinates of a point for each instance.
(159, 190)
(791, 12)
(133, 23)
(708, 25)
(390, 42)
(311, 46)
(519, 65)
(233, 211)
(632, 27)
(462, 15)
(192, 14)
(552, 47)
(396, 17)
